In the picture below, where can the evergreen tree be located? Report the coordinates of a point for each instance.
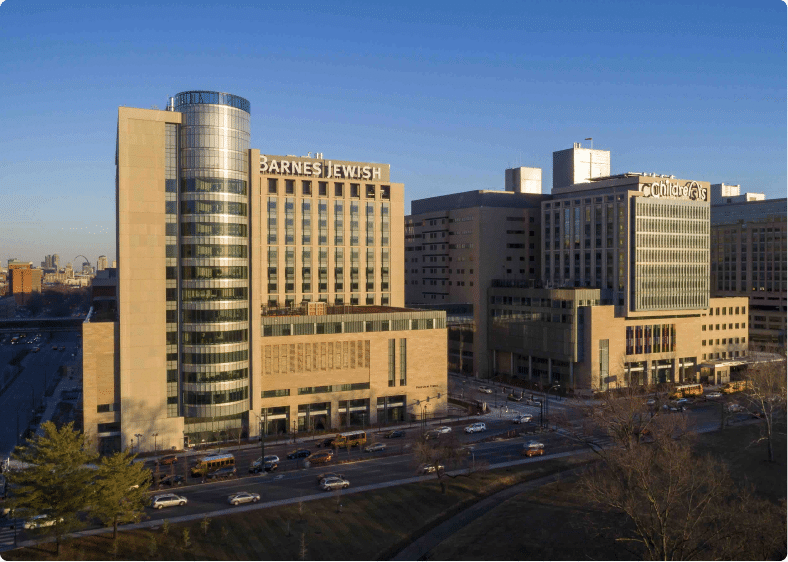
(121, 490)
(57, 481)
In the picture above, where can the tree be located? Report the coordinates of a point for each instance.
(678, 505)
(446, 452)
(56, 483)
(121, 490)
(765, 397)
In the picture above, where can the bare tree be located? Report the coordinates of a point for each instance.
(765, 397)
(677, 505)
(442, 454)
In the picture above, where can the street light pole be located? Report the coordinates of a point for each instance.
(139, 437)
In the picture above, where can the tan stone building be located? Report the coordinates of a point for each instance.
(217, 244)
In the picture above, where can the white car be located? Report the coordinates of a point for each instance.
(167, 500)
(38, 521)
(264, 460)
(525, 418)
(444, 429)
(334, 483)
(243, 497)
(473, 428)
(651, 402)
(714, 395)
(485, 389)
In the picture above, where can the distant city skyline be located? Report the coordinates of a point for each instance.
(448, 95)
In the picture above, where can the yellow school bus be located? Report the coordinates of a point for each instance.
(736, 386)
(686, 390)
(351, 438)
(211, 463)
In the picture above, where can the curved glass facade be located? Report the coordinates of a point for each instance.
(213, 216)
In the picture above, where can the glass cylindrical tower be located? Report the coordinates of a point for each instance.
(213, 259)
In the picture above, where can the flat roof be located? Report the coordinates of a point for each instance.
(338, 309)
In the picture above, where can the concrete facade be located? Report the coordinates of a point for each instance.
(216, 243)
(748, 258)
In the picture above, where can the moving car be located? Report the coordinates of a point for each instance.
(514, 398)
(444, 429)
(533, 449)
(432, 434)
(327, 475)
(264, 460)
(299, 454)
(267, 467)
(375, 447)
(320, 457)
(523, 418)
(334, 483)
(714, 395)
(485, 389)
(170, 459)
(395, 433)
(222, 473)
(427, 468)
(243, 497)
(167, 500)
(327, 442)
(38, 521)
(172, 480)
(475, 427)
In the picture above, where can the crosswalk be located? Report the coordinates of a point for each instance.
(6, 536)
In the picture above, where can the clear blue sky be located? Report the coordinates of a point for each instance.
(450, 94)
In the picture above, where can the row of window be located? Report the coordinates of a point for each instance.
(725, 341)
(731, 326)
(370, 190)
(658, 338)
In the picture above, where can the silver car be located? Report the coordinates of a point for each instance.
(444, 429)
(243, 497)
(334, 483)
(375, 447)
(167, 500)
(473, 428)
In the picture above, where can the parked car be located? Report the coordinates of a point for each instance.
(172, 480)
(167, 500)
(733, 408)
(523, 418)
(533, 449)
(714, 395)
(394, 434)
(475, 427)
(444, 429)
(327, 475)
(333, 483)
(427, 468)
(485, 389)
(299, 454)
(375, 447)
(243, 497)
(271, 458)
(651, 402)
(221, 473)
(514, 398)
(170, 459)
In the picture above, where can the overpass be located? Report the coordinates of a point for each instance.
(49, 324)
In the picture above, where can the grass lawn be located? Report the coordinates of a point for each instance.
(371, 525)
(552, 523)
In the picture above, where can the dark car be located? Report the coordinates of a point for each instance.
(514, 398)
(222, 473)
(268, 467)
(172, 480)
(393, 434)
(325, 442)
(299, 454)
